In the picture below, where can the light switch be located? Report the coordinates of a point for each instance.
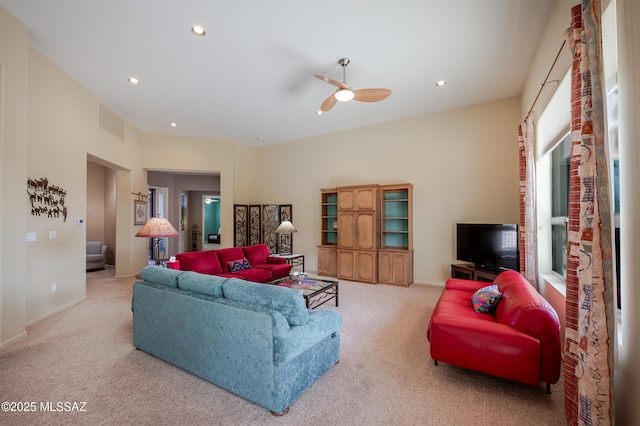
(52, 235)
(31, 237)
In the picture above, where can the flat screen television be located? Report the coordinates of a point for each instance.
(490, 246)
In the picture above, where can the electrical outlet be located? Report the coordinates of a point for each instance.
(53, 287)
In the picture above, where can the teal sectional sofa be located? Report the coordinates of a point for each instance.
(257, 341)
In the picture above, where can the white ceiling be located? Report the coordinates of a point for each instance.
(252, 75)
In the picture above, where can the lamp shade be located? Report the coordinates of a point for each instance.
(286, 226)
(157, 227)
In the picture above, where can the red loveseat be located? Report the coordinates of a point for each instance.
(519, 340)
(260, 266)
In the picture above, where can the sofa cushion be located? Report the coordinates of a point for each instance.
(94, 257)
(160, 275)
(200, 283)
(228, 255)
(256, 254)
(205, 262)
(278, 270)
(485, 299)
(286, 300)
(238, 265)
(256, 275)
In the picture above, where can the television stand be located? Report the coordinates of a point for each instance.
(470, 272)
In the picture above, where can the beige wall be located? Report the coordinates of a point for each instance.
(14, 48)
(463, 164)
(62, 132)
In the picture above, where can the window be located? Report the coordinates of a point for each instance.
(560, 163)
(553, 151)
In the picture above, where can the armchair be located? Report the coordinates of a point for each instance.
(96, 255)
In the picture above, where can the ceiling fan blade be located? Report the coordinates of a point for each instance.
(371, 95)
(328, 103)
(332, 81)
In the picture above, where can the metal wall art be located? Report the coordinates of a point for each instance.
(46, 200)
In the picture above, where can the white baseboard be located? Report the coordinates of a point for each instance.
(60, 309)
(13, 339)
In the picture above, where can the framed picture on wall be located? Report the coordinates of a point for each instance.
(139, 212)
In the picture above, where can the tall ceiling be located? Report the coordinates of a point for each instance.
(250, 79)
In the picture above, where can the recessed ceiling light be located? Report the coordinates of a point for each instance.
(259, 138)
(319, 112)
(441, 83)
(134, 81)
(198, 30)
(173, 124)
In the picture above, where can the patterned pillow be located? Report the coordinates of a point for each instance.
(485, 299)
(239, 265)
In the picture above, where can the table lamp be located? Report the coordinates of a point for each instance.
(287, 228)
(156, 228)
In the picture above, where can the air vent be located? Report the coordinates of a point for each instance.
(110, 122)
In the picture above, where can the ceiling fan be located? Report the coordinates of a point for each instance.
(345, 93)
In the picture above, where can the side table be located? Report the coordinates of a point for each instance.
(294, 260)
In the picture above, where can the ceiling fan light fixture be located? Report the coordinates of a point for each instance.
(344, 95)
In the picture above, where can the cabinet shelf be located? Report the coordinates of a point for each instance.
(329, 215)
(396, 217)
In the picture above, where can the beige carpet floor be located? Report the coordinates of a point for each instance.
(385, 375)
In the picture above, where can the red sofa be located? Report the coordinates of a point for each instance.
(263, 268)
(519, 340)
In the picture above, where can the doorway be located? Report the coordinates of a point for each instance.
(101, 206)
(211, 223)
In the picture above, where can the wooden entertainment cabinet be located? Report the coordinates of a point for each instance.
(367, 233)
(470, 272)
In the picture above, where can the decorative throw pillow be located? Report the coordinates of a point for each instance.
(239, 265)
(485, 299)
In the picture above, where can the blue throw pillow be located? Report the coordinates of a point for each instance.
(485, 299)
(239, 265)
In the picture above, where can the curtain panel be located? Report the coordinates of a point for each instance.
(588, 360)
(527, 228)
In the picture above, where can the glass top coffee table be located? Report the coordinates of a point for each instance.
(315, 291)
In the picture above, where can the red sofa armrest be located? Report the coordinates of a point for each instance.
(275, 260)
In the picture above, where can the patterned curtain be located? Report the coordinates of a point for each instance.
(588, 361)
(527, 229)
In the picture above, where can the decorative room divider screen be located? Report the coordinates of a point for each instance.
(256, 224)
